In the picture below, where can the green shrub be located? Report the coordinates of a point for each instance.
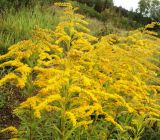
(86, 10)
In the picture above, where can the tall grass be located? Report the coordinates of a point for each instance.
(16, 26)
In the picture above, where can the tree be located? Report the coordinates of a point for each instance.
(155, 10)
(101, 5)
(98, 5)
(144, 7)
(150, 8)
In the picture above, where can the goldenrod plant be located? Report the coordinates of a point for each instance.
(82, 87)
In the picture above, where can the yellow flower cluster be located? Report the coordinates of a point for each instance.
(11, 129)
(78, 76)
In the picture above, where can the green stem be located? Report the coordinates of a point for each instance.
(30, 127)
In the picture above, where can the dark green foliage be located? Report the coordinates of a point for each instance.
(7, 4)
(150, 8)
(98, 5)
(86, 10)
(17, 4)
(152, 133)
(132, 16)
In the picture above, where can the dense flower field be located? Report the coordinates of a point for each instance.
(82, 87)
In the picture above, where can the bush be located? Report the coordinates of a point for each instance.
(86, 10)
